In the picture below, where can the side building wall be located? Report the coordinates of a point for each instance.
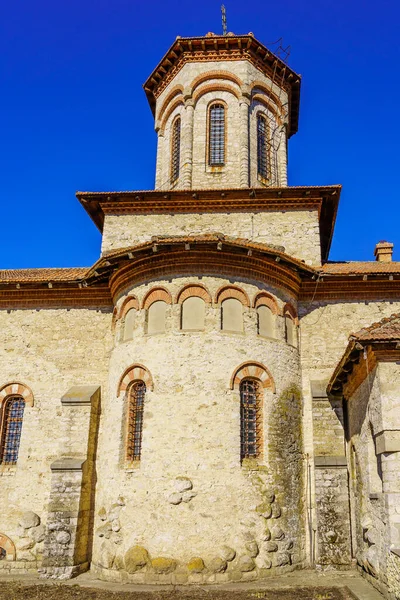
(48, 350)
(324, 331)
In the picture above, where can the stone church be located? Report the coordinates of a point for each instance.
(213, 400)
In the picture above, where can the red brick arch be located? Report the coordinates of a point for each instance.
(252, 370)
(8, 545)
(176, 91)
(155, 294)
(135, 373)
(193, 289)
(265, 299)
(215, 87)
(215, 75)
(128, 303)
(16, 389)
(174, 105)
(232, 291)
(264, 101)
(260, 85)
(290, 311)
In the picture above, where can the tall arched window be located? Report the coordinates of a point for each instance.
(291, 330)
(216, 135)
(136, 398)
(11, 427)
(262, 147)
(175, 149)
(156, 317)
(128, 325)
(250, 419)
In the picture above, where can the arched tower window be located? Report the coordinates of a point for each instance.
(11, 427)
(250, 419)
(175, 149)
(216, 135)
(262, 147)
(265, 321)
(136, 398)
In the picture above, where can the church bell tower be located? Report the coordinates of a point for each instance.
(224, 108)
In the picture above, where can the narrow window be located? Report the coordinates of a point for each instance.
(250, 418)
(265, 321)
(193, 310)
(13, 414)
(291, 331)
(232, 315)
(175, 149)
(135, 421)
(216, 150)
(262, 146)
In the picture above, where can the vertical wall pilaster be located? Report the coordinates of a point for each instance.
(187, 145)
(244, 104)
(282, 158)
(67, 545)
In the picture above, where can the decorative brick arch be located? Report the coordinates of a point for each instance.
(215, 87)
(193, 289)
(260, 85)
(155, 294)
(8, 545)
(176, 91)
(16, 389)
(215, 75)
(232, 291)
(135, 373)
(174, 105)
(128, 303)
(290, 311)
(262, 100)
(265, 299)
(252, 370)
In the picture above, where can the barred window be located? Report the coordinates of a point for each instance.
(136, 398)
(13, 413)
(262, 146)
(250, 419)
(175, 149)
(216, 142)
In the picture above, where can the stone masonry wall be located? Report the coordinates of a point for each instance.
(48, 350)
(190, 511)
(297, 231)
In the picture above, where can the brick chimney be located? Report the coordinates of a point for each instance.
(383, 251)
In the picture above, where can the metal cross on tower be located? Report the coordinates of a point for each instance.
(224, 27)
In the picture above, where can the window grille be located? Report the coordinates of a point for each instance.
(250, 417)
(13, 414)
(135, 421)
(262, 146)
(176, 149)
(217, 135)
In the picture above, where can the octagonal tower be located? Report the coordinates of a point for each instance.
(224, 108)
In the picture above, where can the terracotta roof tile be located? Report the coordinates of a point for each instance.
(45, 275)
(360, 268)
(386, 329)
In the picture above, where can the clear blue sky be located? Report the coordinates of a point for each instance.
(73, 115)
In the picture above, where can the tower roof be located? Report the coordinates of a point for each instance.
(229, 47)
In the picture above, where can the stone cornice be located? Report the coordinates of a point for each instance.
(324, 199)
(59, 295)
(376, 286)
(225, 48)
